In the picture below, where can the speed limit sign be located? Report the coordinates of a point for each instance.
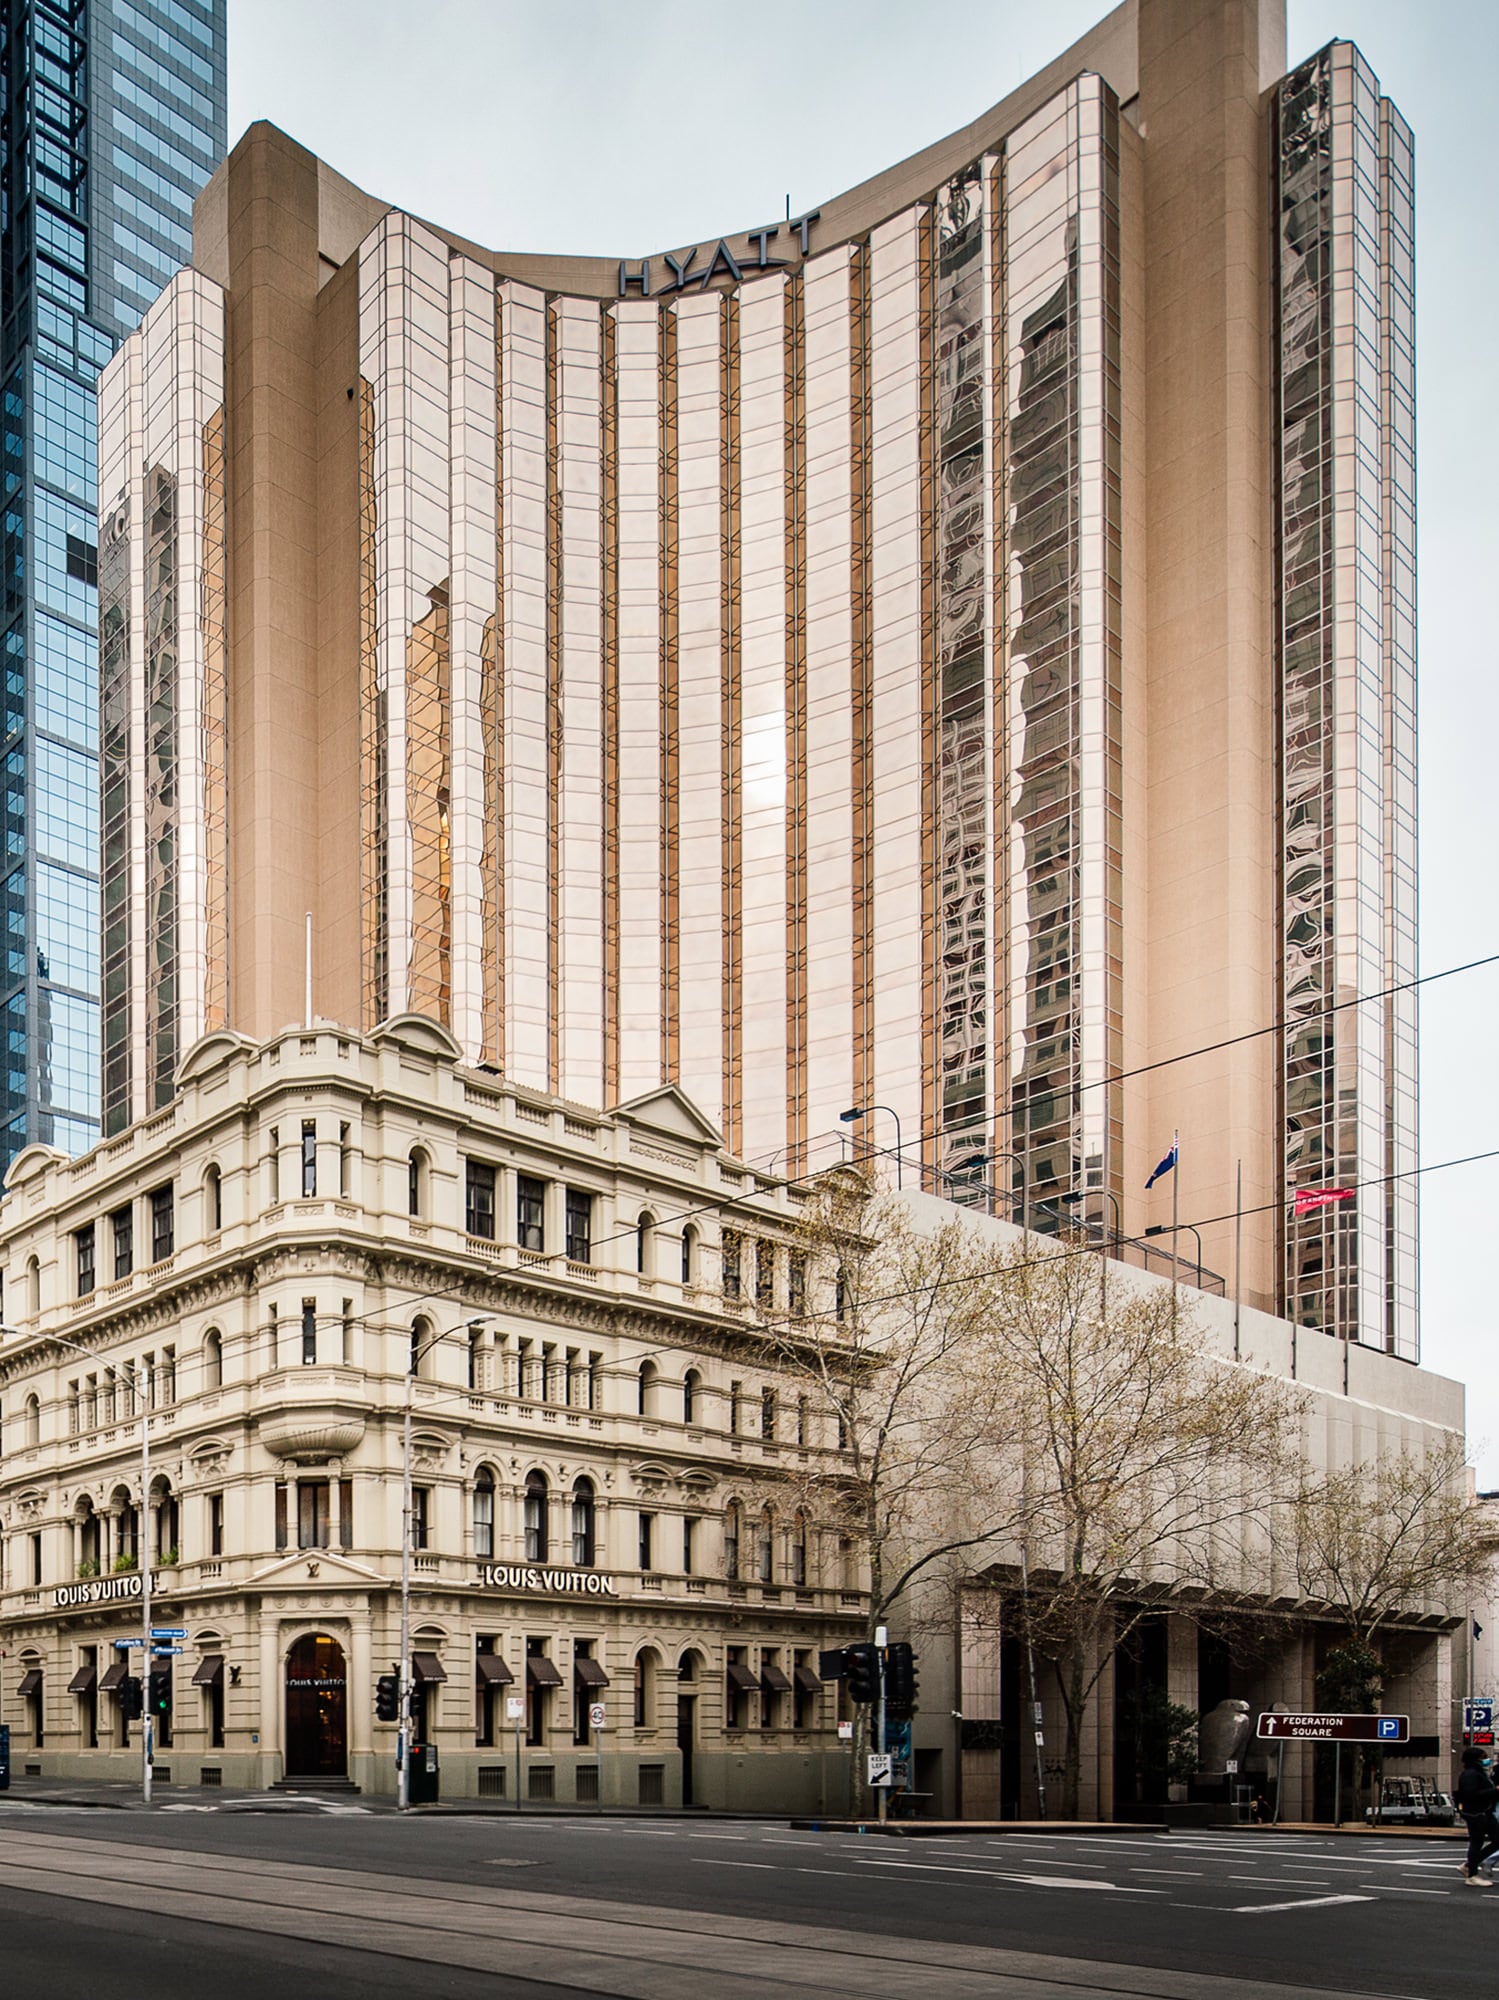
(596, 1715)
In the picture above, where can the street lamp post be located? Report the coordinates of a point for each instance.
(857, 1111)
(143, 1540)
(1166, 1229)
(1083, 1195)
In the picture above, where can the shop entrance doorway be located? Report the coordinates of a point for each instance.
(316, 1709)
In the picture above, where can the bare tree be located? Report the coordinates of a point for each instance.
(892, 1307)
(1375, 1541)
(1133, 1461)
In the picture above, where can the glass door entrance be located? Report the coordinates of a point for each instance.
(316, 1706)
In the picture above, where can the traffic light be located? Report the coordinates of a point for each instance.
(131, 1704)
(832, 1666)
(863, 1672)
(900, 1680)
(159, 1691)
(388, 1698)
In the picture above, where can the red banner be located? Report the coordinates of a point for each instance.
(1309, 1198)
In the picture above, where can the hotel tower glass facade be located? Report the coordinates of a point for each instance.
(113, 119)
(798, 668)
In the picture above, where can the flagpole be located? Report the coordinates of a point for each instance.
(1176, 1175)
(1238, 1249)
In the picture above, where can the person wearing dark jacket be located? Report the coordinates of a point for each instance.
(1476, 1798)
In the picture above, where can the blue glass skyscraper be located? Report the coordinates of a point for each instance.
(112, 116)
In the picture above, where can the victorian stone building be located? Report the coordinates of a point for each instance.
(603, 1458)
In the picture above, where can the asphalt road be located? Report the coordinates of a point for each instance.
(349, 1905)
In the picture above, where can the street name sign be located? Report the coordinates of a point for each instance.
(164, 1652)
(121, 1644)
(1312, 1728)
(168, 1631)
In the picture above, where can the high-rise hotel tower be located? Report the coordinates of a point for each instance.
(112, 116)
(949, 653)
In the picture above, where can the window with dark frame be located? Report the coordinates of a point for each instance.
(646, 1541)
(215, 1524)
(534, 1517)
(796, 1283)
(309, 1332)
(579, 1212)
(421, 1516)
(731, 1264)
(83, 560)
(765, 1275)
(84, 1239)
(484, 1513)
(309, 1158)
(768, 1414)
(163, 1237)
(689, 1524)
(530, 1213)
(478, 1203)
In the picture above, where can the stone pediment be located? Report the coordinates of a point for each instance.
(31, 1162)
(417, 1035)
(211, 1052)
(324, 1567)
(672, 1113)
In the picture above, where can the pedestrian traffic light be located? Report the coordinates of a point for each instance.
(900, 1680)
(863, 1672)
(131, 1704)
(159, 1691)
(388, 1698)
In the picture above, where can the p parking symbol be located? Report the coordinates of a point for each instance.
(1388, 1726)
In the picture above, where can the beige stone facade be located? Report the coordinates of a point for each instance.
(592, 1414)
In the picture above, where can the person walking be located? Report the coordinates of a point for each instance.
(1476, 1799)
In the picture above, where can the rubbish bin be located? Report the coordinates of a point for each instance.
(424, 1785)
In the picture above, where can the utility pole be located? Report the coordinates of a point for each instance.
(148, 1731)
(403, 1724)
(1036, 1709)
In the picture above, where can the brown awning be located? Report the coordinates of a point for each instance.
(541, 1673)
(590, 1673)
(742, 1677)
(113, 1676)
(772, 1679)
(426, 1667)
(30, 1682)
(85, 1680)
(493, 1671)
(209, 1672)
(806, 1678)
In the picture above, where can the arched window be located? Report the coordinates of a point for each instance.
(840, 1294)
(645, 1230)
(688, 1665)
(165, 1522)
(31, 1421)
(799, 1549)
(87, 1523)
(767, 1546)
(768, 1414)
(646, 1389)
(801, 1419)
(33, 1287)
(732, 1522)
(416, 1184)
(848, 1569)
(689, 1255)
(583, 1524)
(127, 1529)
(646, 1665)
(484, 1513)
(692, 1383)
(422, 1343)
(213, 1359)
(536, 1517)
(213, 1201)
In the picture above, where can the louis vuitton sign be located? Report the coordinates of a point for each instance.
(547, 1582)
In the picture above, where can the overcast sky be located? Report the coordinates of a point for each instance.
(619, 129)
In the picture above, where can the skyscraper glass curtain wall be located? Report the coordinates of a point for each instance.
(753, 679)
(1346, 428)
(113, 117)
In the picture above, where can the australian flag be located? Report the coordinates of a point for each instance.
(1167, 1166)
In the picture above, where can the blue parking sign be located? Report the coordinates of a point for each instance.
(1389, 1726)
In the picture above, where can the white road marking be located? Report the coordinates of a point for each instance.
(1308, 1903)
(712, 1861)
(1009, 1875)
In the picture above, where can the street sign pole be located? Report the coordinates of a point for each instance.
(881, 1640)
(1337, 1783)
(515, 1708)
(596, 1717)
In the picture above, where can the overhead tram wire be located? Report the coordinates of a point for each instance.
(811, 1177)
